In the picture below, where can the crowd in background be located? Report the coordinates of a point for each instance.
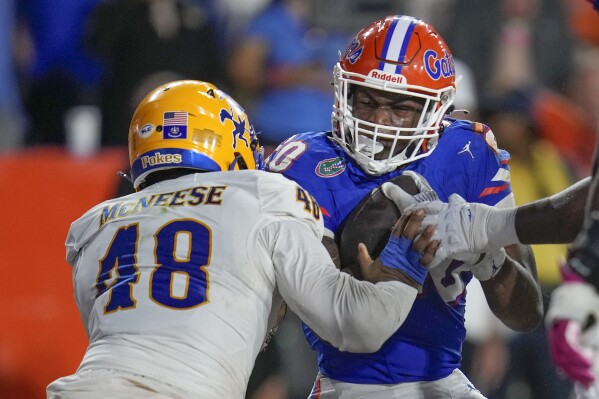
(277, 55)
(72, 71)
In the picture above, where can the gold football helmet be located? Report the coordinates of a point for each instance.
(190, 124)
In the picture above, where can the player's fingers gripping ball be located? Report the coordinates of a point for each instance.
(404, 199)
(462, 229)
(370, 223)
(448, 218)
(400, 254)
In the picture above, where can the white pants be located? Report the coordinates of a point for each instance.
(454, 386)
(103, 384)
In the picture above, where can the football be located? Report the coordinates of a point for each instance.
(370, 222)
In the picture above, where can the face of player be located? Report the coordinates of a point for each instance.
(386, 109)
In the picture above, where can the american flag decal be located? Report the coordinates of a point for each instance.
(175, 118)
(175, 125)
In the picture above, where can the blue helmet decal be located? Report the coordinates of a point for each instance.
(354, 51)
(239, 125)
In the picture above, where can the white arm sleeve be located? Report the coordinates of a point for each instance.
(351, 315)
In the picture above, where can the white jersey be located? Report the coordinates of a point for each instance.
(181, 281)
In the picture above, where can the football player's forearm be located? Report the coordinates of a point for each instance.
(352, 315)
(333, 250)
(556, 219)
(514, 296)
(390, 274)
(375, 314)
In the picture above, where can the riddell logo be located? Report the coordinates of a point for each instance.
(158, 159)
(387, 76)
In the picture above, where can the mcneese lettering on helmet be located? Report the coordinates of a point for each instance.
(159, 159)
(200, 195)
(388, 77)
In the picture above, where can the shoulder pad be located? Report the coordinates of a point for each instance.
(478, 128)
(488, 134)
(281, 197)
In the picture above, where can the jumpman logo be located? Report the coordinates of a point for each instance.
(495, 268)
(471, 388)
(467, 149)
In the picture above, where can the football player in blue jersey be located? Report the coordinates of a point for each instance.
(394, 88)
(570, 215)
(464, 228)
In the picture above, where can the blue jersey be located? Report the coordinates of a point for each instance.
(428, 345)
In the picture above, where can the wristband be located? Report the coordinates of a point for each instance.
(501, 226)
(398, 254)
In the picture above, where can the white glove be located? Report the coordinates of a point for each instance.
(402, 199)
(488, 266)
(465, 230)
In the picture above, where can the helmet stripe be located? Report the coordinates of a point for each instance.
(388, 39)
(396, 43)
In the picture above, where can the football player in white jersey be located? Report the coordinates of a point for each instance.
(178, 284)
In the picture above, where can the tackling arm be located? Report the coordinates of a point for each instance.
(333, 250)
(474, 228)
(352, 315)
(362, 316)
(555, 219)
